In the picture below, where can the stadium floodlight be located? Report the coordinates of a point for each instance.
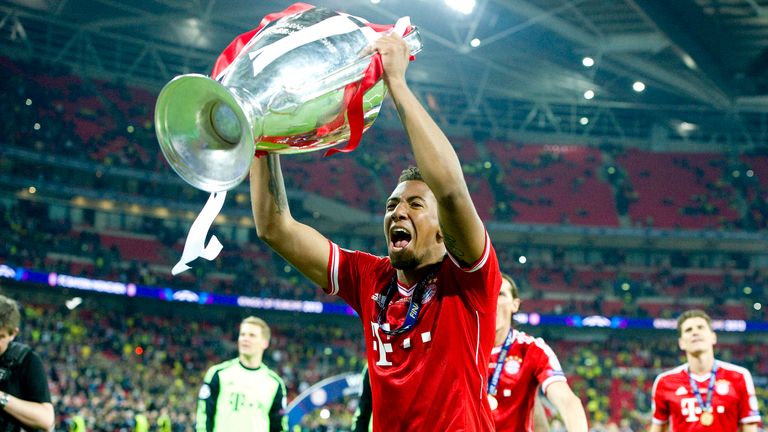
(589, 94)
(584, 121)
(375, 1)
(688, 60)
(464, 6)
(638, 86)
(588, 61)
(685, 128)
(474, 43)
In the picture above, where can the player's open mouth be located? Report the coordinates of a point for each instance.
(399, 237)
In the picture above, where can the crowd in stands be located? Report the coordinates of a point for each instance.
(72, 137)
(606, 284)
(109, 361)
(108, 126)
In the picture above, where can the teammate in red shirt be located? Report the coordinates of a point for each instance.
(529, 363)
(428, 308)
(704, 394)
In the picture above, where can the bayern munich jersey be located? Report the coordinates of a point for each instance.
(733, 401)
(530, 363)
(432, 377)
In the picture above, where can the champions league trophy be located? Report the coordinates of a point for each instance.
(291, 88)
(304, 80)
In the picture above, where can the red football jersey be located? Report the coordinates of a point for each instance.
(530, 363)
(432, 377)
(733, 402)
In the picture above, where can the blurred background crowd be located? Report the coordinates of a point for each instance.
(86, 192)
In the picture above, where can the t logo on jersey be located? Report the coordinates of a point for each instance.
(236, 401)
(383, 348)
(380, 346)
(688, 408)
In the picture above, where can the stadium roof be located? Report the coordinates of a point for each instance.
(704, 63)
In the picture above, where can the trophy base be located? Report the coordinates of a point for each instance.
(204, 133)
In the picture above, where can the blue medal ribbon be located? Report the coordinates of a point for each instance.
(494, 382)
(412, 317)
(695, 388)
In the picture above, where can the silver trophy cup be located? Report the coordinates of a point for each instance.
(286, 92)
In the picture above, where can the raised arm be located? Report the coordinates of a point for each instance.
(301, 245)
(568, 405)
(462, 229)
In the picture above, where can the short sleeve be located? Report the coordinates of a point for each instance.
(35, 388)
(480, 282)
(748, 407)
(659, 405)
(352, 274)
(548, 369)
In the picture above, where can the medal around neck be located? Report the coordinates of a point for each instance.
(303, 80)
(493, 402)
(706, 418)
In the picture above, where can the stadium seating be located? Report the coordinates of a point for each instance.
(679, 190)
(91, 125)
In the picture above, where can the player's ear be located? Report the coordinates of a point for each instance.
(515, 305)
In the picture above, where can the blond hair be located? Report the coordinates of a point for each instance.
(258, 322)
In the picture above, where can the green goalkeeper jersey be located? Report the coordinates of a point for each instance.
(236, 398)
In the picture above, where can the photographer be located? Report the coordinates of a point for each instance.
(25, 403)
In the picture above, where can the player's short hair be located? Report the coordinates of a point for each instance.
(692, 313)
(410, 173)
(10, 318)
(258, 322)
(512, 284)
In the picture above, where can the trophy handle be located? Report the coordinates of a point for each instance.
(288, 99)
